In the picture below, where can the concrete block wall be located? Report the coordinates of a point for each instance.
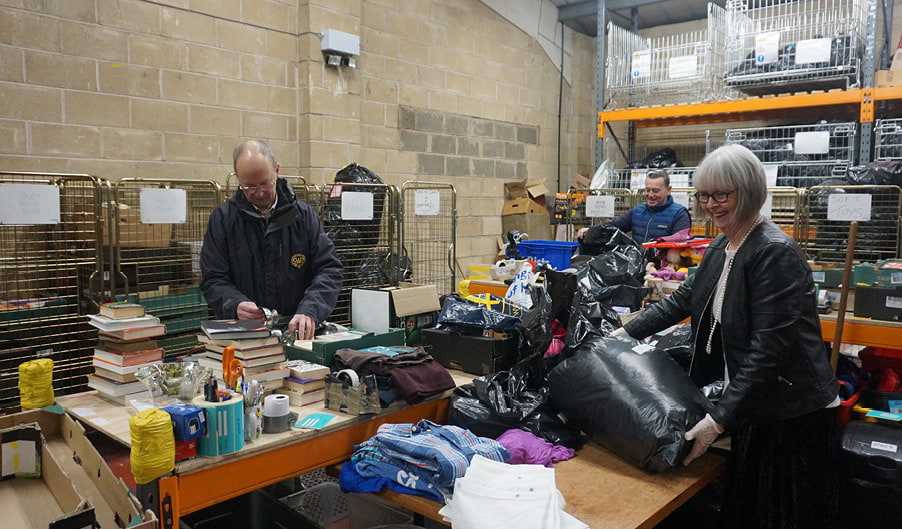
(165, 89)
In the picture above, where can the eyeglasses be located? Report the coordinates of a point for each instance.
(254, 189)
(718, 196)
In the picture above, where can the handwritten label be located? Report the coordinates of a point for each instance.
(29, 204)
(849, 207)
(599, 206)
(356, 205)
(163, 206)
(682, 67)
(426, 202)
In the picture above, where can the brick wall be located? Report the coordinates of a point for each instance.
(127, 88)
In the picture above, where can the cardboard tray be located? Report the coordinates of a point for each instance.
(79, 463)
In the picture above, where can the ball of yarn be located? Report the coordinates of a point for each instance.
(153, 445)
(36, 383)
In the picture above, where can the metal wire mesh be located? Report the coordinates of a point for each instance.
(429, 231)
(888, 139)
(878, 238)
(158, 265)
(305, 192)
(679, 68)
(774, 46)
(41, 304)
(362, 221)
(603, 205)
(801, 155)
(786, 207)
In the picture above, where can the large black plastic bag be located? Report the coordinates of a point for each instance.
(589, 318)
(516, 398)
(638, 405)
(460, 315)
(550, 301)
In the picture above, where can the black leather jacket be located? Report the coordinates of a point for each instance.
(770, 334)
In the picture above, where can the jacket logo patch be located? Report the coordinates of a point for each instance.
(298, 260)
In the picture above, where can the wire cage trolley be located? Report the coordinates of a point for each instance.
(801, 155)
(679, 68)
(774, 46)
(888, 139)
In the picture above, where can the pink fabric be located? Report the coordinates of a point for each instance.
(528, 449)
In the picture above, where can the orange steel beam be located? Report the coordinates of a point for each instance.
(233, 475)
(860, 332)
(727, 110)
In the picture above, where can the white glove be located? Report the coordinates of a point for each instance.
(620, 333)
(704, 433)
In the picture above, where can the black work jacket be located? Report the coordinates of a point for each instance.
(770, 334)
(285, 262)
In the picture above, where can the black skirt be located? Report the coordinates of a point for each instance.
(784, 475)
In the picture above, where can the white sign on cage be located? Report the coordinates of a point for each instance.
(29, 204)
(163, 206)
(599, 206)
(356, 205)
(849, 207)
(426, 202)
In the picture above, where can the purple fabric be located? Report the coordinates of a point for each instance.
(527, 448)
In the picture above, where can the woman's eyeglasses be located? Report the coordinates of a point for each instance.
(718, 196)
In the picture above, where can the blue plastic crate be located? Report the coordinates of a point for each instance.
(556, 253)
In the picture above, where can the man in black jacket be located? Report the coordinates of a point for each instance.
(265, 248)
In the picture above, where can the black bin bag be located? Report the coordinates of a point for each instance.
(630, 398)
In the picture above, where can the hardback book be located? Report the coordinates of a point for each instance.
(234, 329)
(296, 398)
(248, 343)
(129, 359)
(304, 369)
(112, 375)
(304, 386)
(121, 309)
(126, 347)
(111, 387)
(247, 354)
(133, 334)
(109, 324)
(276, 358)
(122, 370)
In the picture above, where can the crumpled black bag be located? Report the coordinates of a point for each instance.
(659, 159)
(550, 302)
(677, 342)
(459, 315)
(517, 398)
(589, 318)
(613, 278)
(638, 405)
(880, 173)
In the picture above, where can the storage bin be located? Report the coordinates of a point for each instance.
(327, 507)
(255, 510)
(556, 253)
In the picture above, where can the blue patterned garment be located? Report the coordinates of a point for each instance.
(438, 453)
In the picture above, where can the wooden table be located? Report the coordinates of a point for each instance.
(600, 489)
(605, 492)
(863, 331)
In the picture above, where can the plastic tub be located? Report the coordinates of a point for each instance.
(556, 253)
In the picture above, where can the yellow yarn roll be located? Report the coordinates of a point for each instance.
(36, 383)
(153, 445)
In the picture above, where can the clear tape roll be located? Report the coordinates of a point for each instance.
(822, 297)
(352, 375)
(275, 405)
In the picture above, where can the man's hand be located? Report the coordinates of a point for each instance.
(705, 432)
(248, 310)
(304, 325)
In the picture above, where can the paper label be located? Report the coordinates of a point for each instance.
(813, 51)
(895, 279)
(358, 206)
(642, 348)
(767, 47)
(886, 447)
(599, 206)
(682, 67)
(641, 64)
(426, 202)
(849, 207)
(893, 302)
(819, 277)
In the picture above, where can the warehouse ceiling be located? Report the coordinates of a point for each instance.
(580, 15)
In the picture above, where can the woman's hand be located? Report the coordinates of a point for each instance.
(704, 433)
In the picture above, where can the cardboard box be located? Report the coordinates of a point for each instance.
(322, 350)
(896, 64)
(522, 206)
(392, 307)
(537, 226)
(534, 189)
(479, 355)
(581, 181)
(888, 78)
(133, 233)
(883, 273)
(75, 480)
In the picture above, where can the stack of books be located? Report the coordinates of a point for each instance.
(125, 345)
(260, 352)
(306, 384)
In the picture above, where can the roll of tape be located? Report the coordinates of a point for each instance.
(352, 376)
(822, 297)
(275, 405)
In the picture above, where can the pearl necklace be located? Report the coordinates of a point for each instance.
(719, 307)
